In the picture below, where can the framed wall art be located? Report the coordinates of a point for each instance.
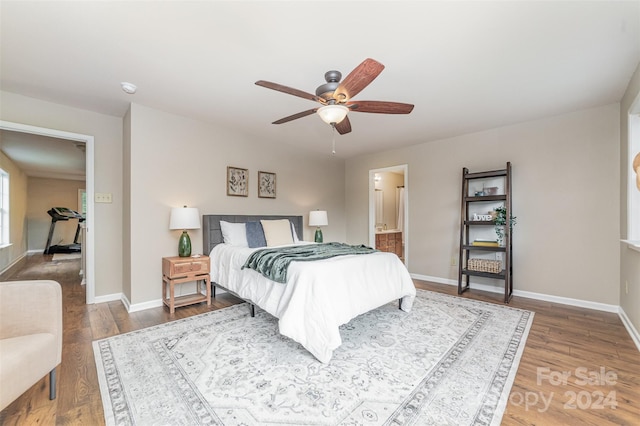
(266, 185)
(237, 182)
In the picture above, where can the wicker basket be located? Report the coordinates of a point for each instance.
(484, 265)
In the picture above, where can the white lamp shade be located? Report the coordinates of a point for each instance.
(184, 218)
(333, 113)
(318, 218)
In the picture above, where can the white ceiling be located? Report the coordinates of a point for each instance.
(467, 66)
(42, 156)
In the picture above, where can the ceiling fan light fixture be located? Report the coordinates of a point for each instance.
(336, 97)
(333, 114)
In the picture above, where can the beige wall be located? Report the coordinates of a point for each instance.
(566, 175)
(107, 133)
(629, 259)
(42, 195)
(17, 213)
(175, 161)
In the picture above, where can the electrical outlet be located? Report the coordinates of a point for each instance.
(454, 260)
(103, 197)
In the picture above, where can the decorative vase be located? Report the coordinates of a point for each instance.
(184, 245)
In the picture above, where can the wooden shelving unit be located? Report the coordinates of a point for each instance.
(467, 247)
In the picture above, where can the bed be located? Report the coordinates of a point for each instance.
(319, 296)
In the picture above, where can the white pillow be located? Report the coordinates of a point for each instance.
(234, 233)
(277, 232)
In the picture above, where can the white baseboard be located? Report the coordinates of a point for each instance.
(434, 279)
(142, 306)
(14, 263)
(107, 298)
(133, 307)
(635, 335)
(127, 304)
(528, 294)
(568, 301)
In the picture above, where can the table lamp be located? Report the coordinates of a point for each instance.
(318, 218)
(184, 218)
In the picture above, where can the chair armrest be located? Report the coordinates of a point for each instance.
(29, 307)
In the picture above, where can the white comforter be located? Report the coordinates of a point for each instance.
(319, 296)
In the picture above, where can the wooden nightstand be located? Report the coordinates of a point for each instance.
(178, 270)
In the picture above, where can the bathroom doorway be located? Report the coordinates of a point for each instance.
(388, 209)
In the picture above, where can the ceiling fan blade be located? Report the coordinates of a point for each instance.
(344, 126)
(295, 116)
(288, 90)
(358, 79)
(380, 107)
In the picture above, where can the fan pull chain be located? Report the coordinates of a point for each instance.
(333, 145)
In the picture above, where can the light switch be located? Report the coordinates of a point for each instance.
(103, 197)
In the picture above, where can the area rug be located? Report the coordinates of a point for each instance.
(450, 361)
(66, 256)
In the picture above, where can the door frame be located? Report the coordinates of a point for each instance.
(88, 140)
(404, 168)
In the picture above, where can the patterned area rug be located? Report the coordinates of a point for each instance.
(451, 361)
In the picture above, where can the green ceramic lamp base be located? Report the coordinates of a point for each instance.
(184, 245)
(318, 237)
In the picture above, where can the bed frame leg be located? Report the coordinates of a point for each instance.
(400, 304)
(253, 310)
(213, 290)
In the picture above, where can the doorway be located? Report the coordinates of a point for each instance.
(89, 243)
(388, 204)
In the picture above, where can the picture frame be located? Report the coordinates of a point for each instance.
(237, 182)
(266, 185)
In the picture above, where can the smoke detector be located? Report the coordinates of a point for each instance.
(129, 88)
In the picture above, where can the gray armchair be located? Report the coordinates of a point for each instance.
(30, 336)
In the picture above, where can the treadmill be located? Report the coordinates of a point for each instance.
(62, 213)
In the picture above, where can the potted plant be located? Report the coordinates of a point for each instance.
(501, 222)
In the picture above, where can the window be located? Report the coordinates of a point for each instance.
(4, 208)
(82, 202)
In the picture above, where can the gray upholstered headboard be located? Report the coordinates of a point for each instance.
(212, 235)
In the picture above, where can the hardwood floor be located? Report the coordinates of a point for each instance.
(600, 363)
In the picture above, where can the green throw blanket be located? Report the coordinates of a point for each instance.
(273, 262)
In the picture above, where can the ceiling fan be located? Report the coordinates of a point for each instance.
(335, 97)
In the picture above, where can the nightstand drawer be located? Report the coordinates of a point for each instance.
(187, 267)
(174, 267)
